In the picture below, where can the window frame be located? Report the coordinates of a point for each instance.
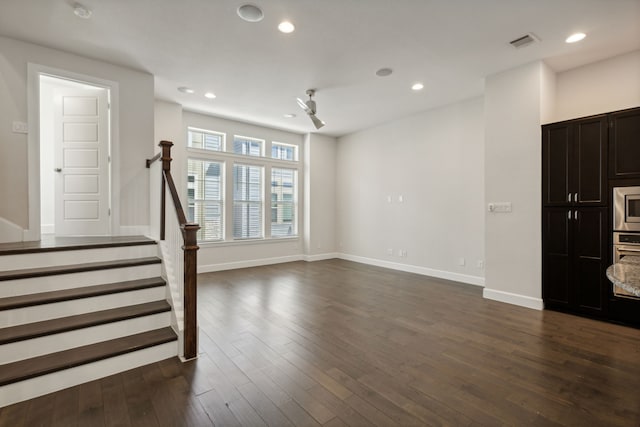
(229, 159)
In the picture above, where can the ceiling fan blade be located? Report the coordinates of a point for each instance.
(316, 121)
(304, 106)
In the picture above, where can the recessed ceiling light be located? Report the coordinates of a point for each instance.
(286, 27)
(185, 89)
(81, 11)
(289, 116)
(417, 86)
(576, 37)
(210, 95)
(384, 72)
(250, 13)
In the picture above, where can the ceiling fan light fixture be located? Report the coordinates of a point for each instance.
(309, 107)
(250, 13)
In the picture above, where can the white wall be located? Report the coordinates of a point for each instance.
(135, 125)
(513, 112)
(600, 87)
(320, 196)
(434, 160)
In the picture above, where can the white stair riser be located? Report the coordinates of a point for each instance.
(39, 313)
(34, 347)
(49, 259)
(34, 387)
(10, 288)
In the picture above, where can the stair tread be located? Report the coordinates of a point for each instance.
(76, 268)
(42, 365)
(55, 244)
(65, 324)
(40, 298)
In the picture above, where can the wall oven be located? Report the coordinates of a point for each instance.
(626, 245)
(626, 209)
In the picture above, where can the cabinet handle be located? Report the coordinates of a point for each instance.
(569, 197)
(575, 215)
(569, 215)
(575, 197)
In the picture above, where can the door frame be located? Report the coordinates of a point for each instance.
(34, 71)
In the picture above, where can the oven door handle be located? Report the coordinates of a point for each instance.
(622, 250)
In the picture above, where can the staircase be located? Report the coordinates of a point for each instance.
(78, 310)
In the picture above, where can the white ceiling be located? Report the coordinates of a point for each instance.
(257, 72)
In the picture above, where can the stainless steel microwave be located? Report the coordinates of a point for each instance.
(626, 208)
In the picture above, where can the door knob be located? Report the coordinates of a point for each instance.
(57, 170)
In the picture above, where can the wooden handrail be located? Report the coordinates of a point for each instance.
(190, 247)
(153, 159)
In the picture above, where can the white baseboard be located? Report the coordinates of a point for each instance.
(321, 257)
(248, 263)
(516, 299)
(10, 232)
(441, 274)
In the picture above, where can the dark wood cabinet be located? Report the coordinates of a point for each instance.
(624, 144)
(574, 162)
(574, 246)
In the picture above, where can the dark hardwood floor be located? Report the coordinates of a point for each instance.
(336, 343)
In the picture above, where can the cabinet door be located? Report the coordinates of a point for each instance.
(590, 259)
(556, 155)
(588, 169)
(624, 144)
(556, 262)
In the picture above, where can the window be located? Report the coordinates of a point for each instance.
(247, 146)
(205, 197)
(243, 189)
(282, 151)
(205, 140)
(283, 206)
(247, 201)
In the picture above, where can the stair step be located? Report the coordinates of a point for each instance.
(42, 365)
(65, 324)
(30, 300)
(77, 268)
(55, 244)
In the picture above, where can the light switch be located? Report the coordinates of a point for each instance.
(499, 207)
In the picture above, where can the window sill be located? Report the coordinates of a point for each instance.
(206, 244)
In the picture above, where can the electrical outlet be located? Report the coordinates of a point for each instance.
(480, 263)
(461, 261)
(19, 127)
(402, 253)
(389, 251)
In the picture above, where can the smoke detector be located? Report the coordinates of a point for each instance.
(524, 41)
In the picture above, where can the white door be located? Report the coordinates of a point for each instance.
(81, 123)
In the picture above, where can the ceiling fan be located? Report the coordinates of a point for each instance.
(309, 107)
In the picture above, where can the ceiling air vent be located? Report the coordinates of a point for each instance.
(523, 41)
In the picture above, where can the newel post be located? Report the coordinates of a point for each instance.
(190, 248)
(166, 166)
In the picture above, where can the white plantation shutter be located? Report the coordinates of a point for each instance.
(247, 201)
(283, 202)
(205, 140)
(205, 197)
(247, 146)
